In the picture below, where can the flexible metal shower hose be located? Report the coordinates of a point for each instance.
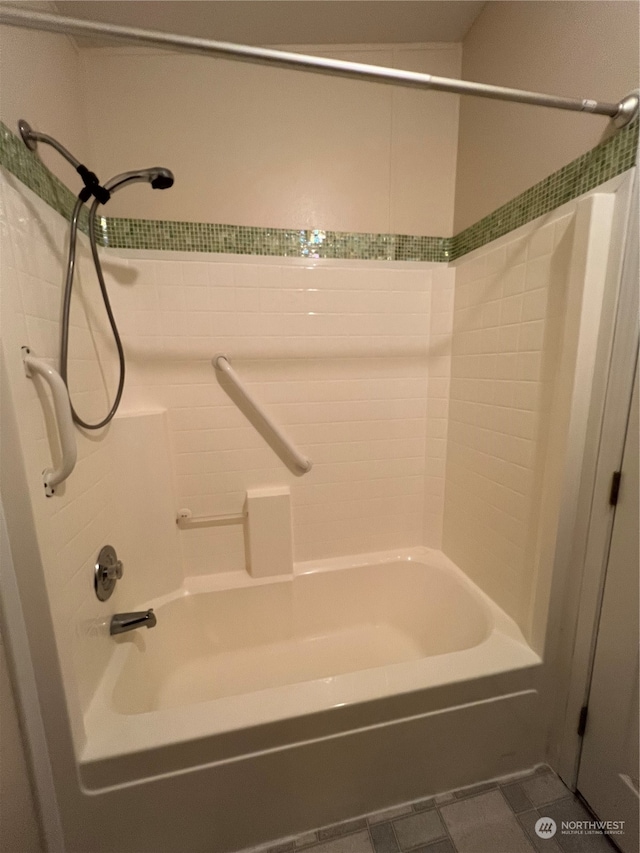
(66, 311)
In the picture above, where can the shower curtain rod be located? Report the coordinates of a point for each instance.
(622, 113)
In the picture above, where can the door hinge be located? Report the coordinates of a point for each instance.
(615, 488)
(582, 721)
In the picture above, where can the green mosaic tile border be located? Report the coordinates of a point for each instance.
(282, 242)
(608, 159)
(612, 157)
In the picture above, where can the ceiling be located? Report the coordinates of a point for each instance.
(280, 22)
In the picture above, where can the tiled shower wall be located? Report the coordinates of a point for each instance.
(352, 361)
(100, 503)
(351, 358)
(507, 331)
(80, 517)
(426, 420)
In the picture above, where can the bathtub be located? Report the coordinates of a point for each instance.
(237, 668)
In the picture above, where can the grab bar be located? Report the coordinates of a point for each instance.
(52, 477)
(221, 362)
(185, 519)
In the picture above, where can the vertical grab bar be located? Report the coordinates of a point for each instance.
(52, 477)
(302, 463)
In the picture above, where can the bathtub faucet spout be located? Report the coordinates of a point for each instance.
(122, 622)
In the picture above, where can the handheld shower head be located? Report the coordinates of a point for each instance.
(162, 179)
(159, 178)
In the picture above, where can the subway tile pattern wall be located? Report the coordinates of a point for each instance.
(98, 503)
(507, 328)
(82, 515)
(344, 354)
(343, 358)
(439, 372)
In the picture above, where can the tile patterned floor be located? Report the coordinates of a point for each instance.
(494, 817)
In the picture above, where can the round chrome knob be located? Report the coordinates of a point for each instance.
(108, 571)
(114, 571)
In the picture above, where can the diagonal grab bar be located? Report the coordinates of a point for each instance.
(52, 477)
(302, 463)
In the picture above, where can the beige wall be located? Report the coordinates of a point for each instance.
(267, 147)
(40, 82)
(339, 155)
(18, 823)
(577, 49)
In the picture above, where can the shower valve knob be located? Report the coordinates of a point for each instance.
(108, 570)
(113, 572)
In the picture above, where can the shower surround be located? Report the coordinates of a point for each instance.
(338, 353)
(434, 400)
(351, 358)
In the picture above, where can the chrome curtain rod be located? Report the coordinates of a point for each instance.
(621, 113)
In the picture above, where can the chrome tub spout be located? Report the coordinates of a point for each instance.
(122, 622)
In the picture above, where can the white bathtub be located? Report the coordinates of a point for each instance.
(314, 626)
(237, 667)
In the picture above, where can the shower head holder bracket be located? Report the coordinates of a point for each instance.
(627, 109)
(92, 186)
(27, 135)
